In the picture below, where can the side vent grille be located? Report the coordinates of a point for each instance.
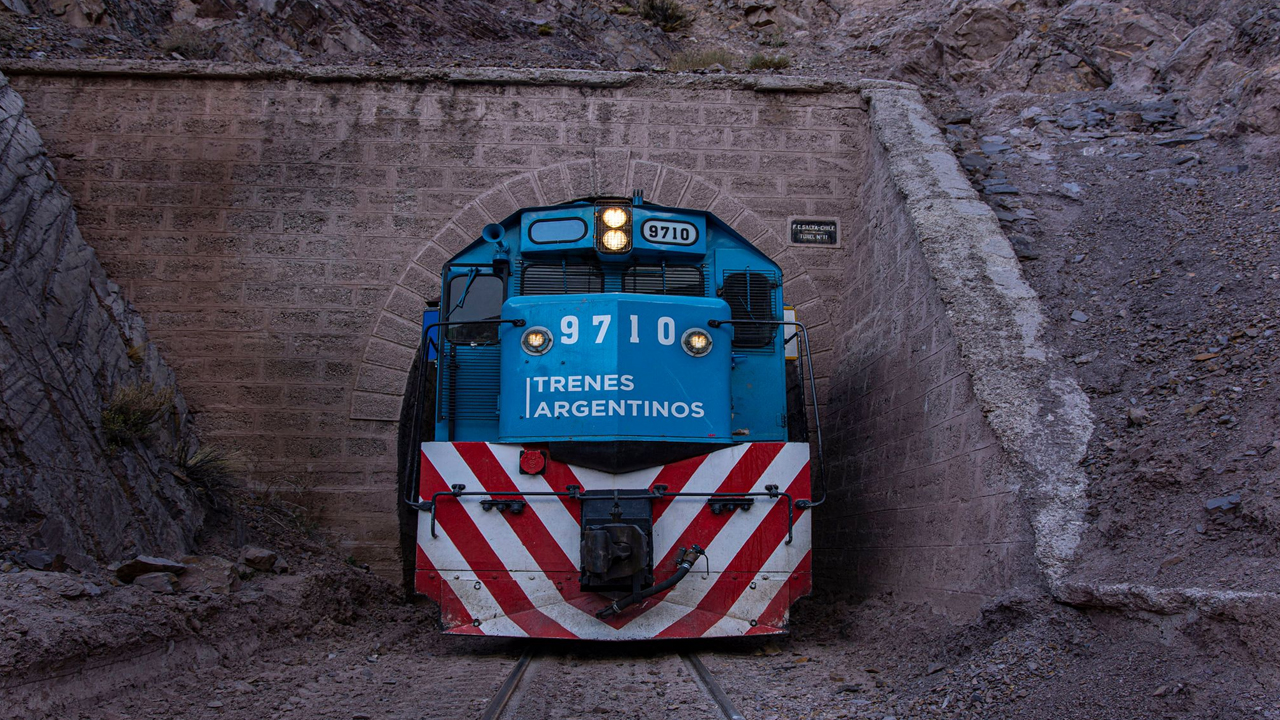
(471, 382)
(750, 296)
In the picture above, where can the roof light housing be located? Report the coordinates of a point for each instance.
(613, 229)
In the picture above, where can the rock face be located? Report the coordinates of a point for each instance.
(1222, 70)
(71, 349)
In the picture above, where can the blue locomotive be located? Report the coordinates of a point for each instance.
(602, 399)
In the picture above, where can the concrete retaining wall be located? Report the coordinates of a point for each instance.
(280, 233)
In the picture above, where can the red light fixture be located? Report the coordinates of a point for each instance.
(533, 462)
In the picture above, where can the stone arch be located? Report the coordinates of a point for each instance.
(384, 367)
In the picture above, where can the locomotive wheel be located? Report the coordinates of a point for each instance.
(417, 425)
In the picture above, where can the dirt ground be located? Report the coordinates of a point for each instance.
(873, 659)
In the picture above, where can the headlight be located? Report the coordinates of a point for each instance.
(613, 230)
(536, 340)
(614, 241)
(614, 217)
(696, 342)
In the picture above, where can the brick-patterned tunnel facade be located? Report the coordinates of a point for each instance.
(281, 236)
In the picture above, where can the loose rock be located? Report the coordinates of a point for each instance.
(163, 583)
(41, 560)
(130, 570)
(257, 558)
(1222, 504)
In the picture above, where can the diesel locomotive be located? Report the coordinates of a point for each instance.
(604, 433)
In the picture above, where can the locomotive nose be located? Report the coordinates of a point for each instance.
(615, 368)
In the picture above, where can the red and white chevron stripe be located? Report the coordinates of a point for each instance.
(516, 575)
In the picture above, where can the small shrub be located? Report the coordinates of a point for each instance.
(131, 411)
(699, 59)
(669, 15)
(545, 29)
(773, 40)
(190, 42)
(761, 61)
(211, 468)
(292, 502)
(135, 353)
(211, 471)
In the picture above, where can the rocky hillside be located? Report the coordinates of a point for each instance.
(1219, 62)
(95, 460)
(521, 32)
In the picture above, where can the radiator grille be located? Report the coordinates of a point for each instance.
(750, 296)
(586, 278)
(561, 279)
(665, 280)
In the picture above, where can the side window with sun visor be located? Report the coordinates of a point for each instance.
(474, 297)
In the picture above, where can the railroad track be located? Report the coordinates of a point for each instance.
(665, 684)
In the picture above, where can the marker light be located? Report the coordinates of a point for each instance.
(696, 342)
(614, 217)
(533, 462)
(536, 340)
(614, 241)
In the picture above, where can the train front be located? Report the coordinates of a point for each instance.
(609, 456)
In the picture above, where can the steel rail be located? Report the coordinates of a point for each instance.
(712, 687)
(703, 678)
(498, 703)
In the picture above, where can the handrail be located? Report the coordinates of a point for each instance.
(575, 492)
(415, 447)
(813, 394)
(426, 332)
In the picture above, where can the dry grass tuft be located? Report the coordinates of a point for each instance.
(700, 59)
(773, 40)
(190, 42)
(669, 15)
(211, 468)
(291, 502)
(762, 61)
(132, 410)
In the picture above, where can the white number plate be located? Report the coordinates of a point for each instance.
(669, 232)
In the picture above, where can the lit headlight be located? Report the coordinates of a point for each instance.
(696, 342)
(614, 241)
(613, 230)
(614, 217)
(536, 340)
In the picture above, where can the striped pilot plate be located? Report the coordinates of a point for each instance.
(516, 574)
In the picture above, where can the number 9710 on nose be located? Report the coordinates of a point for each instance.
(572, 329)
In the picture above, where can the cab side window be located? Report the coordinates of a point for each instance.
(474, 297)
